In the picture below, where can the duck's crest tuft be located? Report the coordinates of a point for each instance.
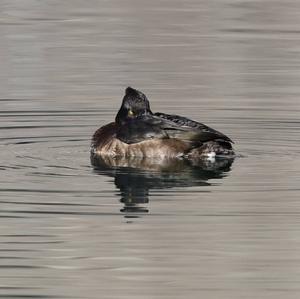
(129, 90)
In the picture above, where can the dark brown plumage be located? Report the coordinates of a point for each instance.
(139, 132)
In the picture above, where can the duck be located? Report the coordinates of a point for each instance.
(138, 132)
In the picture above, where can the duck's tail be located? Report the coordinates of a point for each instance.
(213, 148)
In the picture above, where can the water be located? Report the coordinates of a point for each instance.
(71, 230)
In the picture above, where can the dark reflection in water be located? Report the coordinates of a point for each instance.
(135, 177)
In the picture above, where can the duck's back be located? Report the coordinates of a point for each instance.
(203, 132)
(163, 126)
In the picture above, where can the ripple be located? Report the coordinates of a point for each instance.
(138, 229)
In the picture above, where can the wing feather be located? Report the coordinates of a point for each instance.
(161, 125)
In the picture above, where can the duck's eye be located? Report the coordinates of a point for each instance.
(130, 113)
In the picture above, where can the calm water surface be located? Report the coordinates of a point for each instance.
(71, 230)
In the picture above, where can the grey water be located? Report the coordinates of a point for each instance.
(69, 229)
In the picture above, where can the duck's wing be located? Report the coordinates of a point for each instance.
(160, 125)
(142, 128)
(194, 131)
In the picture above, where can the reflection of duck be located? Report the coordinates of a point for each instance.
(139, 132)
(136, 176)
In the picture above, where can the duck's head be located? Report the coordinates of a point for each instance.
(135, 104)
